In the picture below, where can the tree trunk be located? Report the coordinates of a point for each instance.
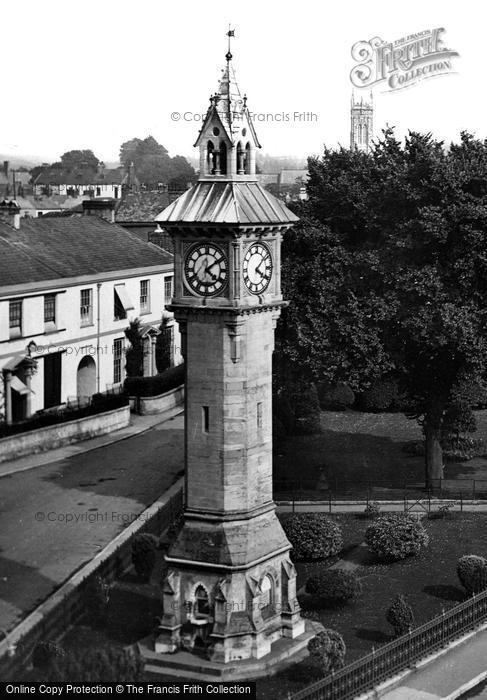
(433, 453)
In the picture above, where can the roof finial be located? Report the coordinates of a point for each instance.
(230, 34)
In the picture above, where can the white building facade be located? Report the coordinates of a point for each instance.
(63, 339)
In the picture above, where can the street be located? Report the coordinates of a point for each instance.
(55, 518)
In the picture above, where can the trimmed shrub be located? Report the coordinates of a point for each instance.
(313, 535)
(327, 650)
(400, 616)
(396, 537)
(335, 398)
(156, 385)
(472, 572)
(372, 510)
(105, 664)
(46, 653)
(334, 586)
(383, 395)
(296, 405)
(144, 548)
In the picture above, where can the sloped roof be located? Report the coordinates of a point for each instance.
(48, 249)
(141, 206)
(80, 176)
(227, 202)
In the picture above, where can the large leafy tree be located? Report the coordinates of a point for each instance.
(394, 275)
(153, 163)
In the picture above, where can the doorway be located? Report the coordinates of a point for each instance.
(52, 380)
(86, 377)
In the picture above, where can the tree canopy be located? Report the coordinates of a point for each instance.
(387, 272)
(153, 163)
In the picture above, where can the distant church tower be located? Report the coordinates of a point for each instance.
(361, 123)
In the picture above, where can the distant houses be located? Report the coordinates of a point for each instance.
(82, 181)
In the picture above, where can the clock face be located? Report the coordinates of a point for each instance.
(206, 269)
(257, 268)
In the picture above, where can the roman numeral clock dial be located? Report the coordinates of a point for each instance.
(257, 268)
(206, 269)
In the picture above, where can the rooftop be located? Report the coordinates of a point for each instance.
(48, 249)
(227, 202)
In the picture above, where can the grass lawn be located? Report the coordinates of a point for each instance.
(355, 448)
(429, 582)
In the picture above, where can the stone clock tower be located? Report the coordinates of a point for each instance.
(230, 589)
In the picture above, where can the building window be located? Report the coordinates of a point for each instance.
(259, 414)
(117, 360)
(15, 318)
(119, 312)
(201, 603)
(168, 289)
(144, 296)
(266, 603)
(206, 419)
(50, 309)
(86, 307)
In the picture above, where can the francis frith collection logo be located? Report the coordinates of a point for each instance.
(402, 63)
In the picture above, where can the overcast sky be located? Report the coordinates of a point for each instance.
(97, 73)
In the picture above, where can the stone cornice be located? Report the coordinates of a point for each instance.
(182, 311)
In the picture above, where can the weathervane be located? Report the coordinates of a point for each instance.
(230, 34)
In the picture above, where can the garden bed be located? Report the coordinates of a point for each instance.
(429, 582)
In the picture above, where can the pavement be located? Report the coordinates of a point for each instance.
(60, 508)
(137, 426)
(450, 674)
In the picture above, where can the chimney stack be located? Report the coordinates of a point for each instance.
(10, 213)
(6, 167)
(104, 207)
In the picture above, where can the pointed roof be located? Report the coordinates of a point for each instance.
(228, 106)
(227, 202)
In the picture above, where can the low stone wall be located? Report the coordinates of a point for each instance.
(147, 405)
(52, 436)
(66, 605)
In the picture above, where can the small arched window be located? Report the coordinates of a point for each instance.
(201, 602)
(210, 148)
(223, 158)
(267, 596)
(247, 159)
(240, 159)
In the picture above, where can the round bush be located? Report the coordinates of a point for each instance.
(328, 650)
(335, 398)
(334, 586)
(400, 616)
(313, 535)
(396, 537)
(472, 572)
(144, 548)
(382, 396)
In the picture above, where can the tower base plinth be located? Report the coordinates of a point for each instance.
(284, 651)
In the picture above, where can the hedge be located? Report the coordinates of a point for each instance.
(157, 384)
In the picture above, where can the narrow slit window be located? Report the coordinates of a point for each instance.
(259, 414)
(206, 419)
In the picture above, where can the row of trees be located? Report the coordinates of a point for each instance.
(387, 275)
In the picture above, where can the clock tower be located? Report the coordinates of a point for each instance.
(230, 588)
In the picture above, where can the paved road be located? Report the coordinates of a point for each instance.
(55, 518)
